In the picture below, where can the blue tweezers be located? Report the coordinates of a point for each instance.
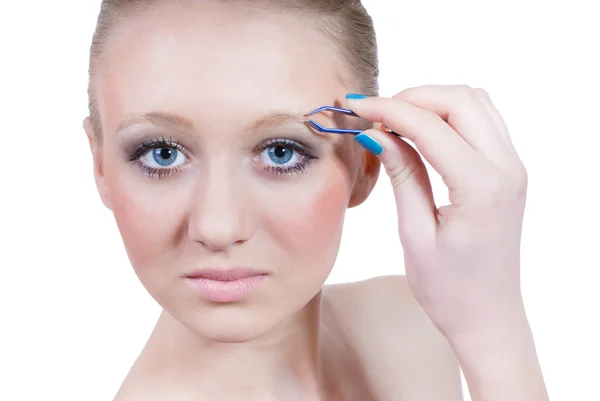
(320, 128)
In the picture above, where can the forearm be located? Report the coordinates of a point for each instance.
(500, 362)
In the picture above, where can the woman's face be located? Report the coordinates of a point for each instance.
(206, 163)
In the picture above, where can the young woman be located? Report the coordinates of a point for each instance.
(231, 209)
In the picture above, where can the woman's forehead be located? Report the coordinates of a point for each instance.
(197, 61)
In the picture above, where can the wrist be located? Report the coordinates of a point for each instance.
(485, 320)
(499, 361)
(492, 335)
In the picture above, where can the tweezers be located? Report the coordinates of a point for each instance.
(320, 128)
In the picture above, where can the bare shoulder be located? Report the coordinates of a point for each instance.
(395, 339)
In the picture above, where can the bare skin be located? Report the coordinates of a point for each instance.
(405, 358)
(201, 83)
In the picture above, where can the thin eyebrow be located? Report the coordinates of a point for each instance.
(157, 118)
(275, 119)
(280, 118)
(164, 119)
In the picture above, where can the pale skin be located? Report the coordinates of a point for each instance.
(388, 338)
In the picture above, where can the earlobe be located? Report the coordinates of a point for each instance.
(97, 155)
(366, 180)
(89, 131)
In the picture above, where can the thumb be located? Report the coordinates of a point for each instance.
(417, 223)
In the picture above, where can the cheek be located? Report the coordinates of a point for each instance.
(308, 222)
(146, 220)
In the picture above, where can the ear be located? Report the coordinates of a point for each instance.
(366, 178)
(96, 148)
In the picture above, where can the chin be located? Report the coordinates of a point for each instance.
(229, 323)
(230, 337)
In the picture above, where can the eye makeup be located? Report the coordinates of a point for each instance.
(282, 149)
(277, 156)
(161, 151)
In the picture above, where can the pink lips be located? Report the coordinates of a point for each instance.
(225, 285)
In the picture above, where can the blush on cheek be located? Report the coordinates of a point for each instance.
(313, 220)
(144, 221)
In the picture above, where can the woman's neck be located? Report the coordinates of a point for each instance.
(280, 365)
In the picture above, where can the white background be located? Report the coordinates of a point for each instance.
(74, 316)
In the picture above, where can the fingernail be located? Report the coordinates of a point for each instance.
(369, 143)
(355, 96)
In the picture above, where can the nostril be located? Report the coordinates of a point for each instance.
(220, 231)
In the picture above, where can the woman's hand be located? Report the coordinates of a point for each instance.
(462, 260)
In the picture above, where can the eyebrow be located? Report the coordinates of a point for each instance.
(164, 119)
(156, 118)
(277, 118)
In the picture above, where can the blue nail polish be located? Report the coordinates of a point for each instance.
(369, 143)
(355, 96)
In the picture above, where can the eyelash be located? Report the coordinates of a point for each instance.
(146, 147)
(306, 157)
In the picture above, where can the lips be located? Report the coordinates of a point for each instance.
(223, 286)
(226, 275)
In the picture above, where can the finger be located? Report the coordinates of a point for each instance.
(461, 107)
(497, 118)
(439, 144)
(411, 186)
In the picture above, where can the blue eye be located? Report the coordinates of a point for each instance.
(281, 154)
(284, 156)
(163, 157)
(159, 158)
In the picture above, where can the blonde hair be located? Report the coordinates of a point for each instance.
(346, 22)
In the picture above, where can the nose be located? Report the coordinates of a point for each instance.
(220, 217)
